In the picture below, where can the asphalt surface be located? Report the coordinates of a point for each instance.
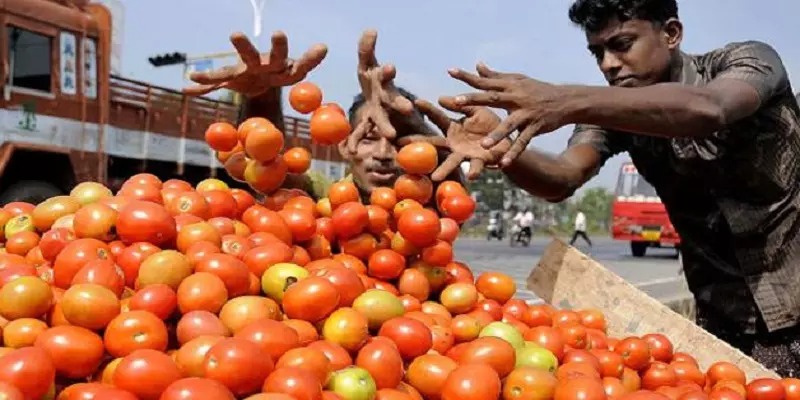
(658, 273)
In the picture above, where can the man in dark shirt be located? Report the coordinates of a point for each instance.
(717, 134)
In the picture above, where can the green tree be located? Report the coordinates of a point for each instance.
(596, 204)
(489, 187)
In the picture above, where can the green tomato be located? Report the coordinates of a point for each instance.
(378, 306)
(279, 277)
(353, 383)
(537, 357)
(504, 331)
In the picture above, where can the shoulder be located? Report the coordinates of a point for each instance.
(739, 53)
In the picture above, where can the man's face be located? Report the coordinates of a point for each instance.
(374, 163)
(635, 53)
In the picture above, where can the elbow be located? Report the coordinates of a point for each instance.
(710, 117)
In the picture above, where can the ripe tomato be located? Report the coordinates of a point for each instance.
(53, 241)
(239, 364)
(496, 286)
(428, 373)
(104, 273)
(765, 389)
(635, 353)
(414, 187)
(22, 332)
(582, 388)
(233, 272)
(349, 219)
(449, 230)
(131, 259)
(196, 389)
(347, 328)
(548, 337)
(327, 126)
(144, 221)
(440, 254)
(301, 223)
(725, 371)
(660, 347)
(274, 337)
(383, 197)
(313, 360)
(89, 305)
(311, 299)
(238, 312)
(135, 330)
(419, 226)
(792, 387)
(413, 282)
(201, 291)
(412, 337)
(158, 299)
(263, 143)
(29, 369)
(22, 242)
(383, 361)
(305, 97)
(529, 383)
(472, 382)
(199, 323)
(190, 357)
(222, 136)
(658, 375)
(146, 373)
(346, 281)
(265, 177)
(459, 207)
(261, 219)
(25, 297)
(74, 256)
(297, 159)
(167, 267)
(419, 158)
(76, 352)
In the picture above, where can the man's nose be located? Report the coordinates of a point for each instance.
(385, 150)
(610, 64)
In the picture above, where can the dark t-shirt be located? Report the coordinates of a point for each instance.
(734, 196)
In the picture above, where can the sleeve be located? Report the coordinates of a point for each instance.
(753, 62)
(607, 143)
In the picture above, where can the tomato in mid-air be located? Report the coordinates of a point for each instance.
(327, 126)
(419, 158)
(305, 97)
(222, 136)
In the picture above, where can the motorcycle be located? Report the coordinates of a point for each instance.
(519, 235)
(494, 229)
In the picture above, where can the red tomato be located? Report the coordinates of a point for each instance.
(144, 221)
(146, 373)
(239, 364)
(29, 369)
(412, 337)
(196, 389)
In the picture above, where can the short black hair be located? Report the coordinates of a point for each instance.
(594, 15)
(359, 101)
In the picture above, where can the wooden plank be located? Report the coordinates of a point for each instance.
(567, 278)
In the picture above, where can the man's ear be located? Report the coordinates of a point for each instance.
(673, 33)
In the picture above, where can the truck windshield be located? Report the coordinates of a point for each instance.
(631, 184)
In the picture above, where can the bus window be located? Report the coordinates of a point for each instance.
(631, 184)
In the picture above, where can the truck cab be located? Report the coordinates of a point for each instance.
(65, 118)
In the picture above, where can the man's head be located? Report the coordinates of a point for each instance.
(374, 163)
(634, 41)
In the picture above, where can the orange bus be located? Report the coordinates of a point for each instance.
(638, 215)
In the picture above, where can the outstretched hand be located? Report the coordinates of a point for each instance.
(379, 91)
(462, 137)
(257, 73)
(534, 107)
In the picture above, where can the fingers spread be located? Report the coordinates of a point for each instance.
(357, 134)
(476, 81)
(520, 144)
(488, 99)
(216, 76)
(437, 116)
(475, 168)
(279, 52)
(199, 90)
(247, 51)
(450, 164)
(309, 60)
(508, 125)
(366, 50)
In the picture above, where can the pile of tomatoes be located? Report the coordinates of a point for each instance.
(168, 291)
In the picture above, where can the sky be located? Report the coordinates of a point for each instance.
(425, 38)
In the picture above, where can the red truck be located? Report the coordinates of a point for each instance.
(638, 216)
(65, 118)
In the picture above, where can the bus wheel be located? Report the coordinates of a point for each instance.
(638, 248)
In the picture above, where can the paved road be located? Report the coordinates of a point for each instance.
(658, 273)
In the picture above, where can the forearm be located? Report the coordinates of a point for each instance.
(267, 105)
(544, 175)
(666, 110)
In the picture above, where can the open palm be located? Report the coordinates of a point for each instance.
(462, 137)
(257, 73)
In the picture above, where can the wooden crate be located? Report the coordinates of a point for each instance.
(567, 278)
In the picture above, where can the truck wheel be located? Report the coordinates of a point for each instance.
(638, 249)
(33, 192)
